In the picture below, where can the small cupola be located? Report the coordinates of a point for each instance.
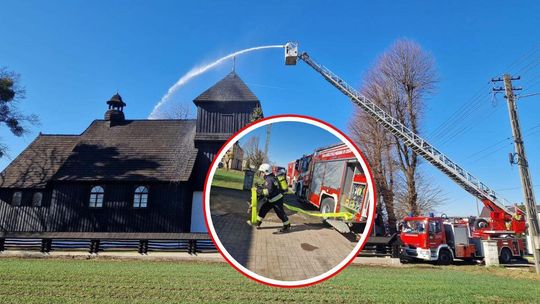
(115, 113)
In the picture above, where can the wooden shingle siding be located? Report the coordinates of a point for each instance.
(207, 151)
(24, 217)
(169, 210)
(229, 120)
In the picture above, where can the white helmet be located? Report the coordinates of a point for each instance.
(266, 168)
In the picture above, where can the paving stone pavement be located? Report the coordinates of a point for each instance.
(310, 249)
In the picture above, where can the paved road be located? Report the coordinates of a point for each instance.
(310, 249)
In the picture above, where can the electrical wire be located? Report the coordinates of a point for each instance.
(453, 127)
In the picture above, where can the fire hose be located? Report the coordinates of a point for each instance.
(346, 216)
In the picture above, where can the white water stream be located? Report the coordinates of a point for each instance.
(197, 71)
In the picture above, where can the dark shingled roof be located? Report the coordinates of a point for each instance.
(230, 88)
(136, 150)
(36, 165)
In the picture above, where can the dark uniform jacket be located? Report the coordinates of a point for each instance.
(270, 188)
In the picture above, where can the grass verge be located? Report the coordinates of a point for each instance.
(231, 179)
(124, 281)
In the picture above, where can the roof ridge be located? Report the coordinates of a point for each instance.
(164, 119)
(230, 88)
(53, 134)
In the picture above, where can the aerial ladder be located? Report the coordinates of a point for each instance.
(502, 220)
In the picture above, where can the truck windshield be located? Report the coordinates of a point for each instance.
(414, 227)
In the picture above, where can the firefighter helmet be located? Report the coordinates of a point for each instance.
(266, 168)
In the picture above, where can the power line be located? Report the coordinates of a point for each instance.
(468, 121)
(453, 125)
(468, 107)
(490, 153)
(524, 56)
(487, 151)
(515, 188)
(489, 147)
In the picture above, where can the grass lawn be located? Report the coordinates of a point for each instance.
(129, 281)
(231, 179)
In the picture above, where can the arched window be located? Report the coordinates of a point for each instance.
(96, 197)
(16, 200)
(140, 199)
(36, 199)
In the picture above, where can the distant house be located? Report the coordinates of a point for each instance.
(233, 158)
(121, 175)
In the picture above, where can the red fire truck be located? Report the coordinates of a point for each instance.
(277, 169)
(332, 180)
(442, 240)
(292, 174)
(432, 238)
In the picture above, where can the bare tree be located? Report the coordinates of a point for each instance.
(409, 73)
(11, 93)
(254, 155)
(256, 114)
(377, 144)
(178, 111)
(228, 157)
(430, 196)
(399, 82)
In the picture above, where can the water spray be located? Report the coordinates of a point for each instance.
(199, 70)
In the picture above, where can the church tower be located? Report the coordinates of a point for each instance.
(222, 110)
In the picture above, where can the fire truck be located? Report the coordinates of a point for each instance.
(441, 239)
(277, 169)
(292, 174)
(437, 238)
(332, 180)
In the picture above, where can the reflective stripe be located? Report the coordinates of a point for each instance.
(265, 192)
(275, 198)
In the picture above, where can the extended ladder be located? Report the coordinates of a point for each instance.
(419, 145)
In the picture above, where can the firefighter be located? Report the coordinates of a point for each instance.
(272, 192)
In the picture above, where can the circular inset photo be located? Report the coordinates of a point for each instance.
(289, 201)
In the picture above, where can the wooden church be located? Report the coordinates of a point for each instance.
(122, 178)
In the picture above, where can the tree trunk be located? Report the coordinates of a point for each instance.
(412, 195)
(388, 198)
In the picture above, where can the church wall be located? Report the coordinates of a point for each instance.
(219, 118)
(169, 209)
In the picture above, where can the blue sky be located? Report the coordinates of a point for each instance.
(284, 148)
(73, 55)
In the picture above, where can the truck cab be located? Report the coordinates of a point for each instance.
(427, 238)
(442, 240)
(302, 167)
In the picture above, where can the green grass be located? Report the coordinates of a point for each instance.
(231, 179)
(129, 281)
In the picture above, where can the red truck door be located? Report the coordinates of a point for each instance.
(436, 235)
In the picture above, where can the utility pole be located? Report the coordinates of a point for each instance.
(526, 183)
(267, 143)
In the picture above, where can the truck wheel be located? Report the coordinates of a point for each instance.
(403, 259)
(506, 256)
(481, 223)
(327, 206)
(445, 257)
